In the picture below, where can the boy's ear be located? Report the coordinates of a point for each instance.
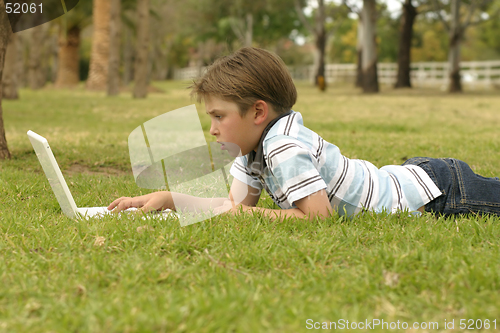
(260, 112)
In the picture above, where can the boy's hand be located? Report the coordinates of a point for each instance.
(147, 203)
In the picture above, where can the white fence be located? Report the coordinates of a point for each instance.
(475, 74)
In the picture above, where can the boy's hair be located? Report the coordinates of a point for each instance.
(248, 75)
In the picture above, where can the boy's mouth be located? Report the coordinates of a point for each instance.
(231, 148)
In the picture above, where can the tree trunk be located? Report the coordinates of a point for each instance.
(199, 57)
(11, 69)
(160, 65)
(128, 55)
(359, 49)
(321, 39)
(141, 60)
(53, 58)
(68, 71)
(455, 85)
(369, 64)
(5, 32)
(35, 72)
(249, 30)
(320, 79)
(99, 56)
(114, 49)
(405, 39)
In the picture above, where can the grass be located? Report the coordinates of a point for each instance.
(243, 273)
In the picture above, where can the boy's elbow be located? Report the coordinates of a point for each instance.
(315, 205)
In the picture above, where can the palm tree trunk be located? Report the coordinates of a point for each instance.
(35, 72)
(99, 55)
(141, 60)
(128, 55)
(405, 39)
(68, 58)
(114, 49)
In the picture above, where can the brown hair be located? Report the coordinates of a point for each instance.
(248, 75)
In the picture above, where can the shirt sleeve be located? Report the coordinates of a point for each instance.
(293, 167)
(239, 171)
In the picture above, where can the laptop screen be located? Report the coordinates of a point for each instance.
(53, 173)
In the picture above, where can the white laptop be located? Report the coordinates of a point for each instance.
(59, 186)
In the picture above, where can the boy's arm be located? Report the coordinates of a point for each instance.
(161, 200)
(243, 197)
(244, 194)
(314, 205)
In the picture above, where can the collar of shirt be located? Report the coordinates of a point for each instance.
(256, 163)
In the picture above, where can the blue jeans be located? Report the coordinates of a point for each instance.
(464, 191)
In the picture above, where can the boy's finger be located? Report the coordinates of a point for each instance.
(125, 204)
(115, 203)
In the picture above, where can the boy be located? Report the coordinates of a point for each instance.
(249, 96)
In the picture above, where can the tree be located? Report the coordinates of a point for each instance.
(406, 33)
(141, 60)
(11, 69)
(343, 45)
(128, 28)
(5, 32)
(430, 40)
(276, 22)
(487, 36)
(68, 57)
(243, 29)
(207, 29)
(456, 28)
(369, 53)
(408, 16)
(36, 78)
(320, 39)
(113, 83)
(321, 31)
(257, 21)
(378, 25)
(70, 27)
(99, 57)
(359, 51)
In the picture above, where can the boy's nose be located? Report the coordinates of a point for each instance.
(213, 130)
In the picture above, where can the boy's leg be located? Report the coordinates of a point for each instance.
(463, 191)
(477, 193)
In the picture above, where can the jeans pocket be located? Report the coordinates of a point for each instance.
(476, 193)
(417, 161)
(427, 164)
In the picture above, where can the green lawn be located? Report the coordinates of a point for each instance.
(243, 273)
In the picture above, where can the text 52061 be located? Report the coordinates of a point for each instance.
(17, 8)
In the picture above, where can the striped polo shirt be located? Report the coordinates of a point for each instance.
(298, 163)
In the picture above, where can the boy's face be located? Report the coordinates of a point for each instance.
(232, 131)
